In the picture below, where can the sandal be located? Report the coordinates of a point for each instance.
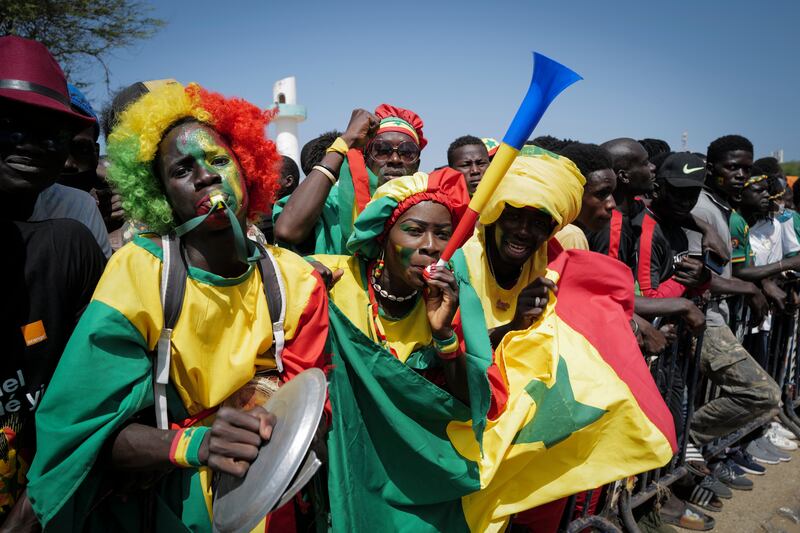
(681, 514)
(695, 462)
(705, 499)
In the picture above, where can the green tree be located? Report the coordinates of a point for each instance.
(78, 32)
(791, 168)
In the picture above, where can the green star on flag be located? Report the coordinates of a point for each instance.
(558, 414)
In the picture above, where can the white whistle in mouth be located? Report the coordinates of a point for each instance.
(217, 199)
(427, 271)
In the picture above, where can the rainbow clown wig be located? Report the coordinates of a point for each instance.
(133, 145)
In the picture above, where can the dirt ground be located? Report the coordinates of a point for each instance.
(759, 510)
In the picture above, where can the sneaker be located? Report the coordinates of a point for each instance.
(717, 487)
(765, 444)
(738, 470)
(779, 441)
(760, 454)
(746, 462)
(725, 473)
(782, 430)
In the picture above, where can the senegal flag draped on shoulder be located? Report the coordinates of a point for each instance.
(392, 465)
(583, 409)
(345, 201)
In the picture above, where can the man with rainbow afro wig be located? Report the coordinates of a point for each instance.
(192, 166)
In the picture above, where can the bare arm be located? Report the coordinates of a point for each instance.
(731, 286)
(711, 240)
(304, 206)
(230, 446)
(441, 303)
(734, 286)
(757, 273)
(655, 307)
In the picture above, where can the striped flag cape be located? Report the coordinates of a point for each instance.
(582, 411)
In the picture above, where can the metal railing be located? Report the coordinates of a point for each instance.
(677, 373)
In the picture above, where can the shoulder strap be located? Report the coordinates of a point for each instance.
(275, 293)
(173, 286)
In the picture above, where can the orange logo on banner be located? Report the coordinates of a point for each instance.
(34, 333)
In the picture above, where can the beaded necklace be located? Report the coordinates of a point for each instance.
(375, 270)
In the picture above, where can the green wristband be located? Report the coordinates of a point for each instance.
(193, 450)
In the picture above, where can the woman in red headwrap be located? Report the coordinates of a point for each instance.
(411, 356)
(383, 291)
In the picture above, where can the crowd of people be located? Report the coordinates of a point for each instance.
(142, 285)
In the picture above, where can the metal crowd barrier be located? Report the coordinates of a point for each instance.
(589, 511)
(678, 375)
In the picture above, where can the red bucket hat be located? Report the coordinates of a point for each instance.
(30, 75)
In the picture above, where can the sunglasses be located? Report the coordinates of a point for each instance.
(16, 133)
(407, 151)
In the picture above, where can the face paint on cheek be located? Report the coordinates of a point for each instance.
(204, 148)
(404, 254)
(720, 181)
(232, 185)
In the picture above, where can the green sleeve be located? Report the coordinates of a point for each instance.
(740, 240)
(103, 378)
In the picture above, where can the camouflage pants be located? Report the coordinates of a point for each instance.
(747, 391)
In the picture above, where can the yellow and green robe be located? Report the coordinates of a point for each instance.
(104, 381)
(392, 465)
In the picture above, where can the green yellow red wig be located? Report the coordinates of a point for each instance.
(133, 145)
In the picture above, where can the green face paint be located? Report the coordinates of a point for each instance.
(207, 149)
(404, 254)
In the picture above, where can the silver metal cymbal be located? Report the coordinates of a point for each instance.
(239, 504)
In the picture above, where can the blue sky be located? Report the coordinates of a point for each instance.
(650, 69)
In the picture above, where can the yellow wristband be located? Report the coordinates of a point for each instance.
(339, 146)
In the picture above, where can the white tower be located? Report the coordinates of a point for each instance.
(284, 94)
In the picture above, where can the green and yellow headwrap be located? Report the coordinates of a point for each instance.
(445, 186)
(541, 180)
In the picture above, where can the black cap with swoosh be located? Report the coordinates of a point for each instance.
(683, 169)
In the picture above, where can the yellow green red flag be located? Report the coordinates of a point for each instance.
(582, 410)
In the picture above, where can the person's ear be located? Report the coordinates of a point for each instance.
(622, 176)
(656, 189)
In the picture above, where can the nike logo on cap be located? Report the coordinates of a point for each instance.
(687, 170)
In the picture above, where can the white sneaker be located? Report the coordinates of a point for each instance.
(779, 441)
(781, 430)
